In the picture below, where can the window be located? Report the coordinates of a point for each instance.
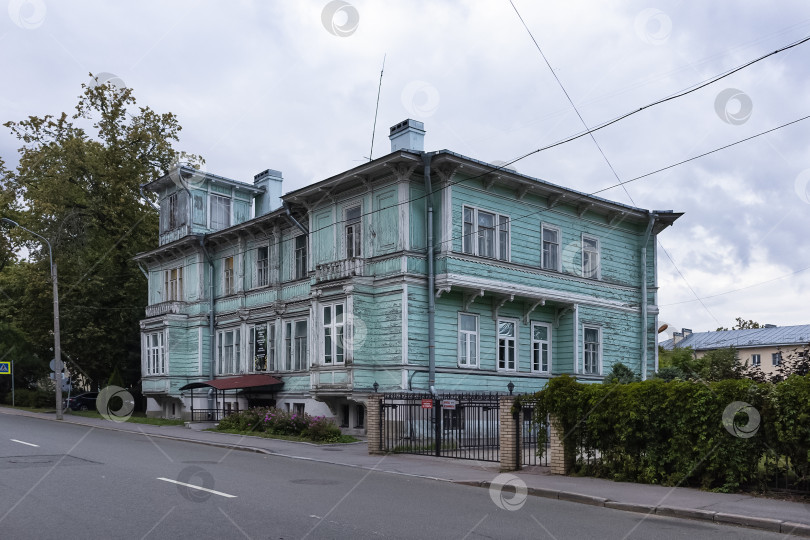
(298, 408)
(590, 257)
(755, 360)
(227, 279)
(262, 266)
(173, 284)
(262, 347)
(353, 232)
(485, 234)
(300, 257)
(295, 345)
(467, 340)
(361, 417)
(592, 350)
(776, 358)
(155, 354)
(333, 340)
(344, 416)
(228, 352)
(551, 248)
(220, 212)
(541, 347)
(177, 210)
(507, 332)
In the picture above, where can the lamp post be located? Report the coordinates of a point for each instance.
(57, 348)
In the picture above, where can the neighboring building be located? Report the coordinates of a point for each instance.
(764, 347)
(323, 297)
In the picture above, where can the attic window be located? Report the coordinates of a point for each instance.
(220, 212)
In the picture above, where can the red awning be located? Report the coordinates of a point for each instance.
(235, 383)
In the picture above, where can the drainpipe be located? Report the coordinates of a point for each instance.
(431, 299)
(650, 224)
(211, 318)
(292, 219)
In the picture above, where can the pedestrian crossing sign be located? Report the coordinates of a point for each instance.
(5, 368)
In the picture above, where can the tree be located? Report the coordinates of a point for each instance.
(721, 364)
(797, 362)
(742, 325)
(77, 184)
(621, 374)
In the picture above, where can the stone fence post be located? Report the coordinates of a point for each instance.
(374, 431)
(561, 449)
(509, 435)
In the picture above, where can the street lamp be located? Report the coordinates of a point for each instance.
(57, 349)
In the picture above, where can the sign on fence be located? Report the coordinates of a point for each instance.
(449, 404)
(427, 403)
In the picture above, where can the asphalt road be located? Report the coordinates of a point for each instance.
(80, 482)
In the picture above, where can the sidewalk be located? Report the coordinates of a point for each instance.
(738, 509)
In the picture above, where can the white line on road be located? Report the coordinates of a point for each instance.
(192, 486)
(23, 442)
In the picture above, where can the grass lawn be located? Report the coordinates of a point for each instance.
(343, 438)
(136, 418)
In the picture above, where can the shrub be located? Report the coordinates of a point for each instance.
(38, 399)
(280, 422)
(321, 429)
(675, 433)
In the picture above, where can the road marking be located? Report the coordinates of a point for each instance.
(192, 486)
(23, 442)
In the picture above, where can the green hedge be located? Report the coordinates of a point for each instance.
(280, 422)
(673, 433)
(35, 399)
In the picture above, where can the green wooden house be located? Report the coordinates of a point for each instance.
(416, 271)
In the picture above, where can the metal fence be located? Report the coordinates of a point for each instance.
(532, 439)
(461, 426)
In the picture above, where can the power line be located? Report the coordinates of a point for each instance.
(602, 152)
(740, 289)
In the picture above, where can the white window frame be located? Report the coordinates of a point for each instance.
(217, 200)
(538, 342)
(290, 350)
(598, 349)
(756, 360)
(776, 358)
(236, 364)
(500, 221)
(332, 331)
(156, 361)
(262, 269)
(515, 344)
(543, 262)
(228, 276)
(173, 286)
(598, 273)
(356, 229)
(465, 337)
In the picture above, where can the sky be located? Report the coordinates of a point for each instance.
(293, 86)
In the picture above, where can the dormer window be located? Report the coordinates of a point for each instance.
(220, 212)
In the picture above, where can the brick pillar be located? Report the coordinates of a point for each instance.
(509, 435)
(374, 431)
(561, 450)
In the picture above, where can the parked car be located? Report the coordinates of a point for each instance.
(82, 402)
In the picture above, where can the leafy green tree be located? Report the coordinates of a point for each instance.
(621, 374)
(742, 325)
(77, 184)
(721, 364)
(796, 362)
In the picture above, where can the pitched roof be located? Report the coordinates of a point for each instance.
(755, 337)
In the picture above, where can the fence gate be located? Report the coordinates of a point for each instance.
(461, 426)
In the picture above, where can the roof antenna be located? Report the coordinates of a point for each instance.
(374, 129)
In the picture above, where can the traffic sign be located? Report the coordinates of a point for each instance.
(5, 368)
(449, 404)
(427, 403)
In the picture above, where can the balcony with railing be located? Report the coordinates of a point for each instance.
(345, 268)
(165, 308)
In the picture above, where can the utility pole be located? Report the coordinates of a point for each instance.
(57, 347)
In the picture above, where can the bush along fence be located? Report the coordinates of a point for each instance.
(724, 436)
(280, 422)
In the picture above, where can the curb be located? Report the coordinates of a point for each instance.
(721, 518)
